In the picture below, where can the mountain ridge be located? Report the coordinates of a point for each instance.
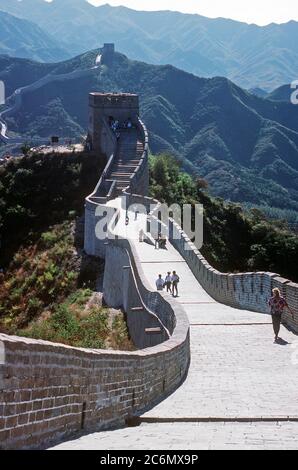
(250, 55)
(245, 146)
(22, 38)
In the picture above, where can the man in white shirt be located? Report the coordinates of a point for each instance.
(160, 283)
(168, 282)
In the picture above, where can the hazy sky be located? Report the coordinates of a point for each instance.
(252, 11)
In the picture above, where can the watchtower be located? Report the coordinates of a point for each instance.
(108, 48)
(105, 107)
(107, 54)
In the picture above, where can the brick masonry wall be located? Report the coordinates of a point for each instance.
(249, 291)
(121, 290)
(49, 392)
(140, 180)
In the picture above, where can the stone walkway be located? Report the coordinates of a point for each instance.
(236, 373)
(192, 436)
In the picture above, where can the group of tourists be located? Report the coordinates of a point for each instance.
(115, 125)
(170, 283)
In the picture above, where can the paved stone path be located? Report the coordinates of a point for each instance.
(192, 436)
(236, 373)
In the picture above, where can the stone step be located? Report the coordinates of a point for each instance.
(116, 174)
(126, 161)
(130, 155)
(126, 158)
(125, 171)
(121, 170)
(120, 166)
(126, 166)
(121, 180)
(121, 176)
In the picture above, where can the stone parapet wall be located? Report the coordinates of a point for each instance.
(139, 183)
(249, 291)
(102, 192)
(49, 392)
(160, 304)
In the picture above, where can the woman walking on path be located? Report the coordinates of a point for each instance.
(277, 305)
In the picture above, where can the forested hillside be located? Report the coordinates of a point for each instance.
(234, 240)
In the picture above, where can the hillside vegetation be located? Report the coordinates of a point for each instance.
(38, 191)
(234, 240)
(47, 286)
(42, 296)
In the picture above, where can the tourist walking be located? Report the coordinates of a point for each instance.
(141, 235)
(168, 282)
(175, 280)
(157, 241)
(277, 305)
(160, 283)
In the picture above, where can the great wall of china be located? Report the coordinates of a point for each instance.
(16, 99)
(50, 392)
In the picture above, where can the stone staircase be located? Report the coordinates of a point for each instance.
(129, 151)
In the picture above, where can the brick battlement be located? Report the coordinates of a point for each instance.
(114, 100)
